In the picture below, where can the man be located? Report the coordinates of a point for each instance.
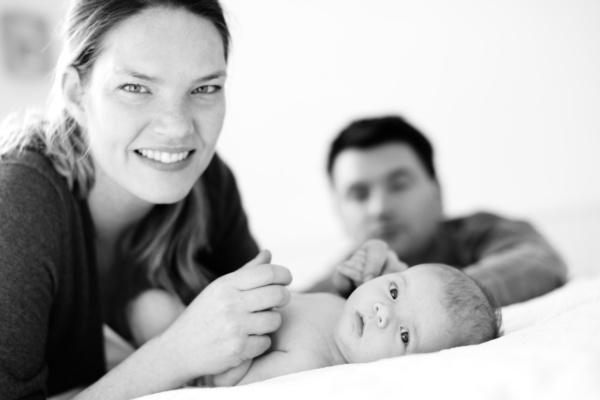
(384, 182)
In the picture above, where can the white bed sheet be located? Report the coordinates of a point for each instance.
(550, 350)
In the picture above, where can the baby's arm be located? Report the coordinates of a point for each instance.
(151, 313)
(231, 377)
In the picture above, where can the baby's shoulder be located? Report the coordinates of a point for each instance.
(311, 307)
(328, 300)
(308, 320)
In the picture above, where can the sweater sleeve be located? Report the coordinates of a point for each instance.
(512, 259)
(30, 231)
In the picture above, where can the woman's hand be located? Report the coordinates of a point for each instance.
(229, 322)
(373, 259)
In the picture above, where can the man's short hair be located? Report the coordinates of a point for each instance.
(372, 132)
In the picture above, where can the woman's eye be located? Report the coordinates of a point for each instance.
(404, 336)
(134, 88)
(207, 89)
(394, 292)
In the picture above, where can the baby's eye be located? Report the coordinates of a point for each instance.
(404, 336)
(393, 291)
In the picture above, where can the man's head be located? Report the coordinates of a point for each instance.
(384, 184)
(427, 308)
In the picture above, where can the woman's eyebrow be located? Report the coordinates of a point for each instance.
(137, 75)
(152, 79)
(214, 75)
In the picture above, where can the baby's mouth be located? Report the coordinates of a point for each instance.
(359, 324)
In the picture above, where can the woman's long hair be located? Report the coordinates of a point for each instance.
(162, 248)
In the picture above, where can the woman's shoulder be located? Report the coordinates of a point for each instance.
(31, 177)
(34, 211)
(30, 162)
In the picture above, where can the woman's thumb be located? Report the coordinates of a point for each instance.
(264, 257)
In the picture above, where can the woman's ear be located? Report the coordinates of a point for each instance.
(73, 94)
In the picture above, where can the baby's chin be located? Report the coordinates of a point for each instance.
(344, 350)
(369, 357)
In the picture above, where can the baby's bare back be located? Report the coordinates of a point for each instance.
(304, 341)
(309, 323)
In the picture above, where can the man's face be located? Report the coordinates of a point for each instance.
(384, 192)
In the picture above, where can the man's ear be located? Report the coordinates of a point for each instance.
(335, 200)
(73, 94)
(439, 196)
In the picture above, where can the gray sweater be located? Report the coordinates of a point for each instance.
(509, 257)
(50, 310)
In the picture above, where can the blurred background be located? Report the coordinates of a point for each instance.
(507, 90)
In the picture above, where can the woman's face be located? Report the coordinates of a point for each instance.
(154, 104)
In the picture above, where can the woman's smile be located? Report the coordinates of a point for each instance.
(168, 161)
(164, 156)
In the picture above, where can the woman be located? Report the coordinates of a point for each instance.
(117, 191)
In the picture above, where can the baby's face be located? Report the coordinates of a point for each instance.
(395, 314)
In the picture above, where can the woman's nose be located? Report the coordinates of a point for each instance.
(174, 120)
(382, 314)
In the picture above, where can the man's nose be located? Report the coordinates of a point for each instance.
(379, 203)
(382, 314)
(174, 118)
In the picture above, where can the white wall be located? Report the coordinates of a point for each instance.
(17, 92)
(508, 91)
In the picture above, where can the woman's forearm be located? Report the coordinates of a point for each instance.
(151, 369)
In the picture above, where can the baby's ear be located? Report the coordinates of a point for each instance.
(72, 90)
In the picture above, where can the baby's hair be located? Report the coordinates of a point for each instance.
(473, 310)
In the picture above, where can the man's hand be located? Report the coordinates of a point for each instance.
(373, 259)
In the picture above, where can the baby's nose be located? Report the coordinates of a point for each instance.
(382, 314)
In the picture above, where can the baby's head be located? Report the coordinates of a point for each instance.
(427, 308)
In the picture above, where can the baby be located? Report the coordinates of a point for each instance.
(422, 309)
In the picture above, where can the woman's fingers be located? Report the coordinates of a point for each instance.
(255, 346)
(256, 274)
(265, 298)
(263, 257)
(262, 323)
(229, 320)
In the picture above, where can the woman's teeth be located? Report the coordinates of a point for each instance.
(164, 157)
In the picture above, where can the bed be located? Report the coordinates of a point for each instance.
(550, 350)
